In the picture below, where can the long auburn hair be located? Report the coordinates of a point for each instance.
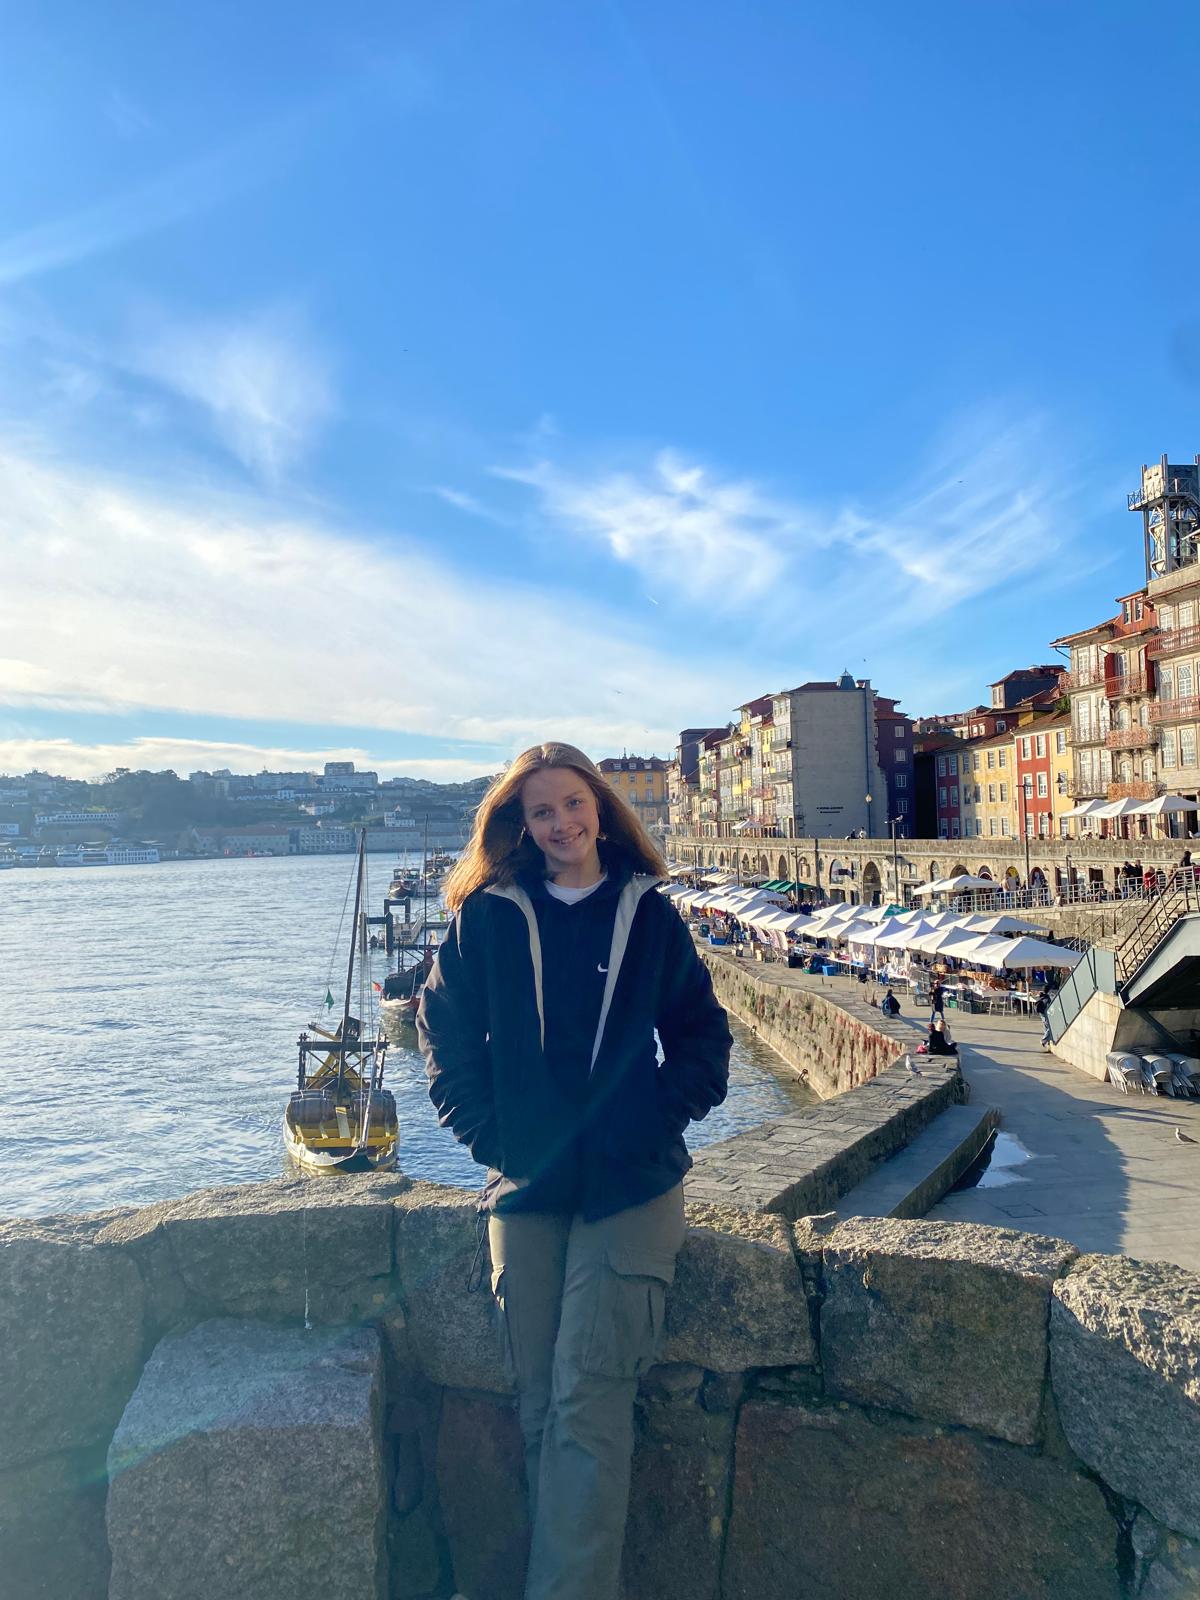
(500, 848)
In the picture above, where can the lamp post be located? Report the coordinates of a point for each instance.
(893, 824)
(1026, 802)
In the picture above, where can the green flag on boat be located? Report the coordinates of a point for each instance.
(329, 1000)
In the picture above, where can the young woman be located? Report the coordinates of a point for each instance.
(537, 1025)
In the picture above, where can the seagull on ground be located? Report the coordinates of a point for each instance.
(1185, 1138)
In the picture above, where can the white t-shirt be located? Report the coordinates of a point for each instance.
(570, 897)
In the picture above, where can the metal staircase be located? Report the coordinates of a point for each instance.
(1152, 927)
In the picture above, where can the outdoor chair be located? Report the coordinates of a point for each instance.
(1159, 1069)
(1125, 1071)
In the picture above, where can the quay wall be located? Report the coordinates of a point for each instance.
(898, 1407)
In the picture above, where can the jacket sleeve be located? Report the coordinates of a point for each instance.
(694, 1031)
(452, 1030)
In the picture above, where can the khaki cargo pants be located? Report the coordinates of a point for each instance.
(582, 1308)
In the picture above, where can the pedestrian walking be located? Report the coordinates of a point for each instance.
(937, 1002)
(1043, 1010)
(537, 1025)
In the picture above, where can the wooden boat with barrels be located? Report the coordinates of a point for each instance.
(340, 1118)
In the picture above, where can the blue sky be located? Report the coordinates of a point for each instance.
(414, 383)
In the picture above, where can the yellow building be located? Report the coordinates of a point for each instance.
(642, 781)
(986, 780)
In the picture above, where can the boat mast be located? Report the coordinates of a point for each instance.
(358, 889)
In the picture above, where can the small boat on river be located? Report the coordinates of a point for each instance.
(340, 1118)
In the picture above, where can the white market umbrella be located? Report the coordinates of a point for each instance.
(957, 885)
(1012, 954)
(903, 938)
(1004, 923)
(1165, 804)
(1118, 808)
(1087, 809)
(943, 941)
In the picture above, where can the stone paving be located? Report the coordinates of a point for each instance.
(1104, 1170)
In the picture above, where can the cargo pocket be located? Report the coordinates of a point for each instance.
(630, 1300)
(505, 1332)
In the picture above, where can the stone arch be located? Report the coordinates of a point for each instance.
(721, 859)
(746, 867)
(934, 871)
(781, 869)
(984, 872)
(1037, 878)
(764, 866)
(957, 871)
(872, 883)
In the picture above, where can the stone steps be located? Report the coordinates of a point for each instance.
(918, 1176)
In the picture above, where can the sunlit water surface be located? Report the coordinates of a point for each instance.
(148, 1024)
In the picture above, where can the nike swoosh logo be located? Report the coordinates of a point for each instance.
(599, 968)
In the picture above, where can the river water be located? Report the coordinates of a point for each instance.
(148, 1028)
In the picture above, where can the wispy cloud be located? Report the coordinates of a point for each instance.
(263, 380)
(126, 116)
(720, 542)
(471, 504)
(983, 513)
(119, 598)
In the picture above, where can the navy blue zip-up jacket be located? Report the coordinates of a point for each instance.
(565, 1122)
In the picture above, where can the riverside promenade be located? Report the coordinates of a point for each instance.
(1076, 1159)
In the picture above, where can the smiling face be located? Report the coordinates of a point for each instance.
(562, 819)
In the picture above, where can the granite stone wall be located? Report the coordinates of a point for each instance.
(865, 1408)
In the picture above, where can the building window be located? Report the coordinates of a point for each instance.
(898, 730)
(901, 780)
(1002, 757)
(1183, 680)
(1003, 792)
(991, 827)
(1029, 824)
(943, 829)
(1004, 827)
(1060, 742)
(1039, 744)
(954, 794)
(941, 766)
(952, 766)
(954, 827)
(1168, 750)
(975, 762)
(1025, 748)
(1000, 724)
(1064, 828)
(992, 793)
(991, 758)
(902, 805)
(942, 796)
(1043, 786)
(978, 827)
(978, 793)
(1187, 747)
(899, 754)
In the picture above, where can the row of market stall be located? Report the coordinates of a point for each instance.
(998, 941)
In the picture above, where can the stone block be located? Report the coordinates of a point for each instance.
(71, 1335)
(738, 1299)
(453, 1333)
(829, 1500)
(1125, 1367)
(52, 1540)
(1167, 1566)
(679, 1499)
(249, 1461)
(945, 1321)
(271, 1251)
(481, 1490)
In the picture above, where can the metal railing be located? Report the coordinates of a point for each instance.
(1091, 679)
(1173, 640)
(1133, 789)
(1127, 683)
(1182, 709)
(1177, 900)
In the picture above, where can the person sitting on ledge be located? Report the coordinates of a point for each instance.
(890, 1005)
(939, 1042)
